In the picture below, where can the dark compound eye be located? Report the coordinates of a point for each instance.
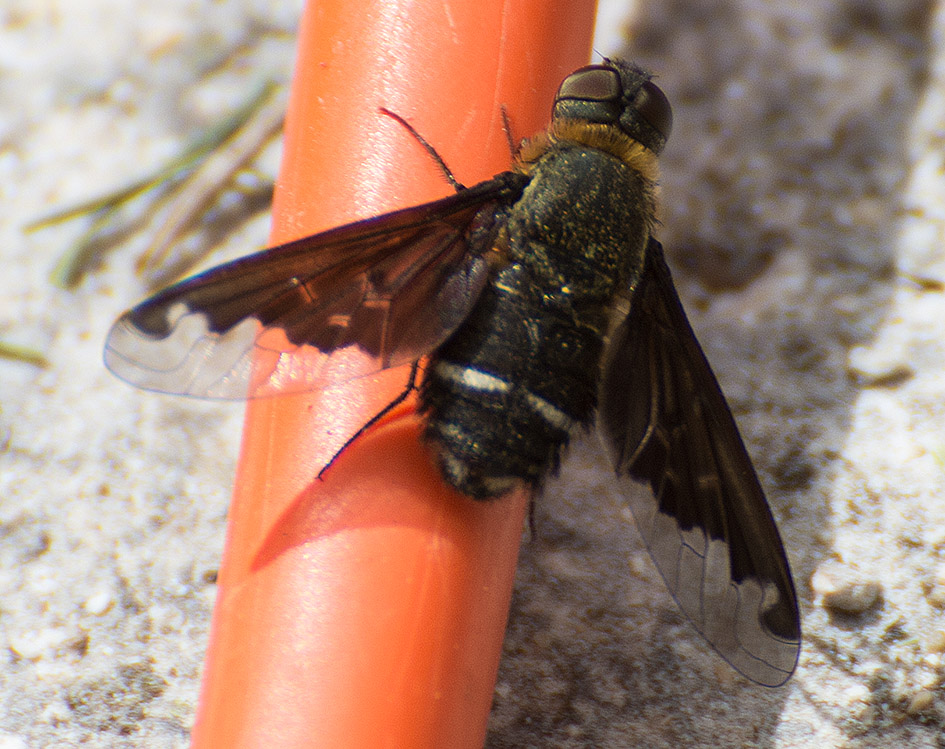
(653, 106)
(617, 94)
(593, 83)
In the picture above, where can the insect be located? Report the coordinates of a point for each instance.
(545, 307)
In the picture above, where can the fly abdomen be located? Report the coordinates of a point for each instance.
(503, 394)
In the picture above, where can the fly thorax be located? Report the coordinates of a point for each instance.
(583, 221)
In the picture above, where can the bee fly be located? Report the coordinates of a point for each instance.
(544, 304)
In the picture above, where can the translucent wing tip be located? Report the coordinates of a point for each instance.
(751, 622)
(177, 360)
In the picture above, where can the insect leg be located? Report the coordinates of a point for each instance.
(411, 386)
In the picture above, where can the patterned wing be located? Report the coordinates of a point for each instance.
(321, 310)
(683, 468)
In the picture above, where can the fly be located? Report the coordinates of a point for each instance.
(545, 308)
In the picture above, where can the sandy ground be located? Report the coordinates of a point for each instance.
(804, 188)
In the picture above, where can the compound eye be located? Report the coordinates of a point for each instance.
(653, 106)
(592, 83)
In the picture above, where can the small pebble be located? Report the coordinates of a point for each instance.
(936, 596)
(877, 367)
(845, 590)
(937, 642)
(35, 644)
(920, 702)
(98, 603)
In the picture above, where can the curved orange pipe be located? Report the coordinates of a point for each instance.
(368, 610)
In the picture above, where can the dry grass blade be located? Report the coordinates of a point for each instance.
(106, 230)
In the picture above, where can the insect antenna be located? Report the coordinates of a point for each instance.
(514, 147)
(428, 148)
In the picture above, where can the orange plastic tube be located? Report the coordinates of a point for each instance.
(368, 609)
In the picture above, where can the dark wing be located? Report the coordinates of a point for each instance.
(682, 466)
(321, 310)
